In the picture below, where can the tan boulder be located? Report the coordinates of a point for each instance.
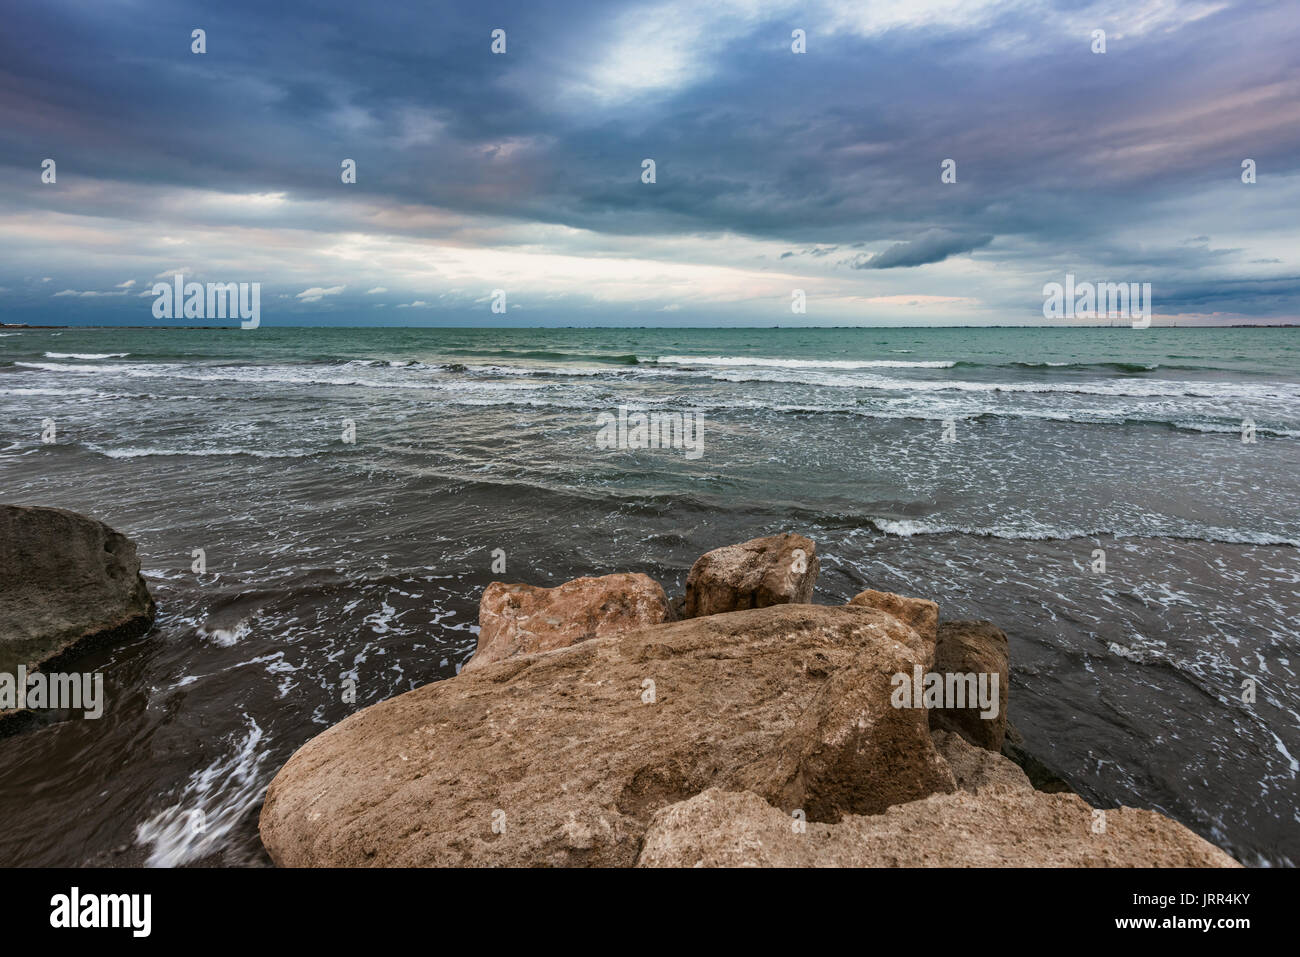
(776, 570)
(973, 647)
(563, 758)
(920, 614)
(525, 619)
(998, 827)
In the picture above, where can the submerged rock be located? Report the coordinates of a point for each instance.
(70, 583)
(776, 570)
(563, 758)
(524, 619)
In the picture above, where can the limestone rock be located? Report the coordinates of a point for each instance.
(562, 758)
(524, 619)
(776, 570)
(997, 827)
(920, 614)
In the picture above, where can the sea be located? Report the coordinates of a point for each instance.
(318, 510)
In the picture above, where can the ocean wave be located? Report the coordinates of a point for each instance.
(764, 362)
(908, 528)
(139, 453)
(1140, 388)
(103, 395)
(1114, 366)
(418, 376)
(217, 797)
(548, 355)
(86, 355)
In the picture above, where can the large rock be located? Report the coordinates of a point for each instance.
(973, 647)
(997, 827)
(570, 753)
(776, 570)
(69, 583)
(524, 619)
(920, 614)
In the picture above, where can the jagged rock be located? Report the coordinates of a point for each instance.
(978, 647)
(569, 753)
(70, 583)
(1000, 826)
(920, 614)
(524, 619)
(776, 570)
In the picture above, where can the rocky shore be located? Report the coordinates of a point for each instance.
(601, 724)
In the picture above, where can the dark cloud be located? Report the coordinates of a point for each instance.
(1059, 152)
(932, 247)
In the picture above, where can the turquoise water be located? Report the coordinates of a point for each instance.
(331, 559)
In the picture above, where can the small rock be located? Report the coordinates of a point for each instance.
(525, 619)
(920, 614)
(776, 570)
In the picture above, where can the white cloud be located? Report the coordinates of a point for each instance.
(317, 293)
(375, 291)
(125, 285)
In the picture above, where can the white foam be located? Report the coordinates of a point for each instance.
(211, 803)
(906, 528)
(801, 363)
(86, 355)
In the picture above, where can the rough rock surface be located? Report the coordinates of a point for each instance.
(977, 647)
(976, 769)
(69, 583)
(997, 827)
(524, 619)
(754, 574)
(571, 752)
(920, 614)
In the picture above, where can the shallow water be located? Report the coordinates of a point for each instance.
(329, 561)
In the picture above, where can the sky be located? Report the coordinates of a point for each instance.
(774, 170)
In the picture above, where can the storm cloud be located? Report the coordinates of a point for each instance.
(934, 246)
(773, 169)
